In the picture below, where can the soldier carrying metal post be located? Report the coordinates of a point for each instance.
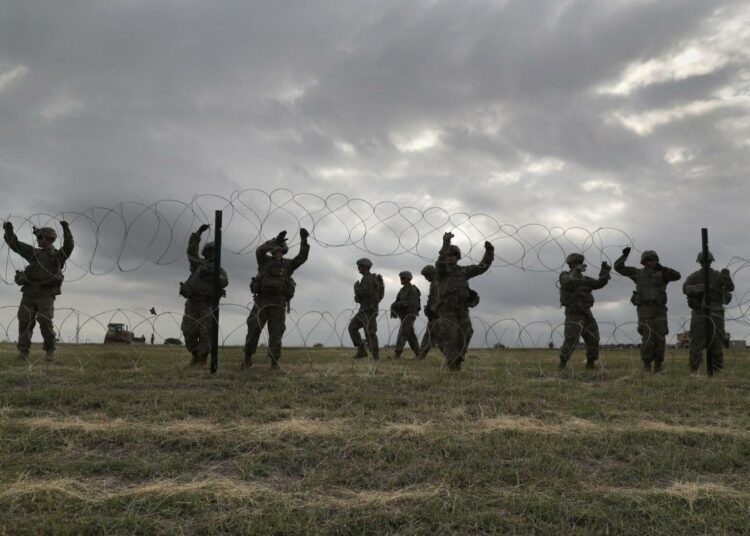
(707, 319)
(200, 300)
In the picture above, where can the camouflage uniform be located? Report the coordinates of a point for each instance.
(41, 281)
(273, 288)
(454, 299)
(702, 336)
(577, 298)
(368, 292)
(198, 318)
(650, 299)
(428, 340)
(406, 308)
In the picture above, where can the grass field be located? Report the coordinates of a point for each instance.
(131, 441)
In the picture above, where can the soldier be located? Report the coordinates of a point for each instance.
(577, 298)
(455, 298)
(650, 299)
(720, 294)
(406, 308)
(41, 281)
(273, 289)
(368, 293)
(200, 298)
(428, 339)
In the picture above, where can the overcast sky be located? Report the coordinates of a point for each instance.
(630, 116)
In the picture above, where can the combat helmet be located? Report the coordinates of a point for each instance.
(454, 250)
(364, 261)
(699, 259)
(574, 258)
(209, 246)
(429, 270)
(649, 254)
(45, 232)
(405, 275)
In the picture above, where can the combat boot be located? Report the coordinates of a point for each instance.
(658, 368)
(396, 355)
(590, 365)
(646, 366)
(23, 356)
(247, 363)
(202, 359)
(361, 352)
(562, 364)
(49, 356)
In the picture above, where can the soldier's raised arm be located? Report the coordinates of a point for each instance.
(304, 251)
(726, 279)
(67, 248)
(602, 280)
(668, 274)
(474, 270)
(620, 268)
(193, 243)
(442, 261)
(268, 245)
(22, 248)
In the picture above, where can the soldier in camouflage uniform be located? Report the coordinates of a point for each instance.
(41, 281)
(406, 308)
(273, 289)
(200, 299)
(368, 293)
(428, 339)
(720, 294)
(650, 299)
(455, 298)
(577, 298)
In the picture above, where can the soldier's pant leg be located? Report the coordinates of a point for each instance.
(590, 335)
(661, 329)
(467, 330)
(276, 328)
(205, 321)
(697, 339)
(427, 340)
(401, 337)
(453, 339)
(572, 333)
(716, 340)
(411, 334)
(26, 323)
(371, 333)
(189, 328)
(355, 324)
(255, 324)
(648, 334)
(45, 312)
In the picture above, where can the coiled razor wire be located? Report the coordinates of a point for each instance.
(323, 329)
(129, 235)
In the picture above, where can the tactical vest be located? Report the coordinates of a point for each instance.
(580, 296)
(650, 288)
(44, 272)
(453, 290)
(200, 284)
(370, 290)
(274, 280)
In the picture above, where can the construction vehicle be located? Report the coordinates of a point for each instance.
(118, 334)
